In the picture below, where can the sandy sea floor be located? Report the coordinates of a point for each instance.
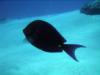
(18, 57)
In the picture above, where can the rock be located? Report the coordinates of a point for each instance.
(3, 20)
(91, 8)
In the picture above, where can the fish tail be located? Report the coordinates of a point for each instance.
(70, 50)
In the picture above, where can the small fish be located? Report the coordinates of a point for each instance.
(44, 36)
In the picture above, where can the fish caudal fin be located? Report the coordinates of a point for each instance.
(70, 50)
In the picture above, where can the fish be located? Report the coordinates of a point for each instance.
(45, 37)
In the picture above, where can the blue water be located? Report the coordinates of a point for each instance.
(18, 57)
(32, 8)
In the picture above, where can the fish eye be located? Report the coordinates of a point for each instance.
(59, 46)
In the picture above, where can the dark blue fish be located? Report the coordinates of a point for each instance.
(44, 36)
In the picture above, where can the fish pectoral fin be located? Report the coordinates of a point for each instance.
(70, 50)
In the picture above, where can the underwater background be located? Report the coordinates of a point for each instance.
(19, 57)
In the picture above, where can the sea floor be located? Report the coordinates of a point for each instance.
(18, 57)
